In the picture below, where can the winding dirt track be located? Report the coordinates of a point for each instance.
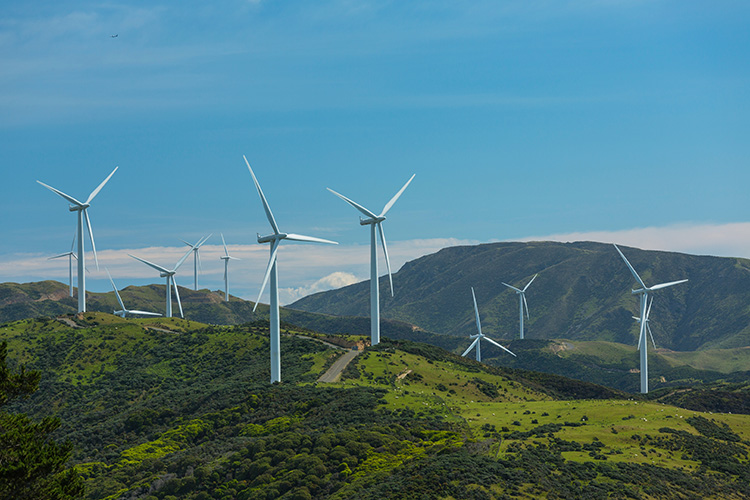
(334, 372)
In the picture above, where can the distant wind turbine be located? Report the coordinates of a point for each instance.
(375, 220)
(125, 311)
(643, 320)
(272, 273)
(522, 302)
(226, 258)
(197, 257)
(82, 209)
(70, 255)
(169, 274)
(479, 336)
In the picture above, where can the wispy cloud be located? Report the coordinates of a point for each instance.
(723, 240)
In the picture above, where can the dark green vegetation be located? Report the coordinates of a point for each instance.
(582, 293)
(165, 409)
(32, 464)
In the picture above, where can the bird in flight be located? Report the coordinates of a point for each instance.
(114, 36)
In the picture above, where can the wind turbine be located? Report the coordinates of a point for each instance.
(169, 274)
(70, 255)
(645, 308)
(375, 220)
(125, 311)
(82, 209)
(479, 336)
(272, 273)
(196, 257)
(226, 258)
(522, 302)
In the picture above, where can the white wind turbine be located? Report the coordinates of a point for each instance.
(272, 273)
(125, 311)
(82, 209)
(643, 320)
(375, 220)
(479, 336)
(522, 302)
(226, 258)
(70, 255)
(196, 257)
(169, 274)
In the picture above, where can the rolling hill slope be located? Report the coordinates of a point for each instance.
(185, 412)
(582, 293)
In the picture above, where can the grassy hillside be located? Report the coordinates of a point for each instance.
(582, 293)
(168, 409)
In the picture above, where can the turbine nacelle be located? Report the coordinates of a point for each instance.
(371, 220)
(271, 237)
(75, 208)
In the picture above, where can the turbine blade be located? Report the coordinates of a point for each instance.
(635, 274)
(179, 262)
(177, 294)
(526, 304)
(91, 235)
(58, 256)
(201, 242)
(146, 313)
(271, 262)
(186, 242)
(396, 197)
(471, 346)
(226, 252)
(100, 186)
(67, 197)
(385, 252)
(651, 334)
(501, 347)
(514, 288)
(354, 204)
(72, 245)
(302, 237)
(151, 264)
(267, 208)
(648, 310)
(529, 283)
(476, 311)
(117, 294)
(665, 285)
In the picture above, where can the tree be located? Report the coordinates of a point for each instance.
(32, 465)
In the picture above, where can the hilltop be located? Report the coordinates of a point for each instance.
(583, 292)
(159, 407)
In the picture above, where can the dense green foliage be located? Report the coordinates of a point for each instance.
(32, 465)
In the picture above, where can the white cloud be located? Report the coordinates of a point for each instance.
(337, 279)
(722, 240)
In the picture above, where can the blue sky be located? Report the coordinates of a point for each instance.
(611, 120)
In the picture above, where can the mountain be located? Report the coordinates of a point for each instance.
(169, 408)
(583, 292)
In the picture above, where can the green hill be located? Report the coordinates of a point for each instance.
(583, 292)
(169, 408)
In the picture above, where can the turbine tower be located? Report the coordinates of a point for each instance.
(375, 220)
(522, 302)
(125, 311)
(272, 273)
(645, 308)
(479, 336)
(169, 274)
(226, 258)
(70, 255)
(196, 258)
(82, 209)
